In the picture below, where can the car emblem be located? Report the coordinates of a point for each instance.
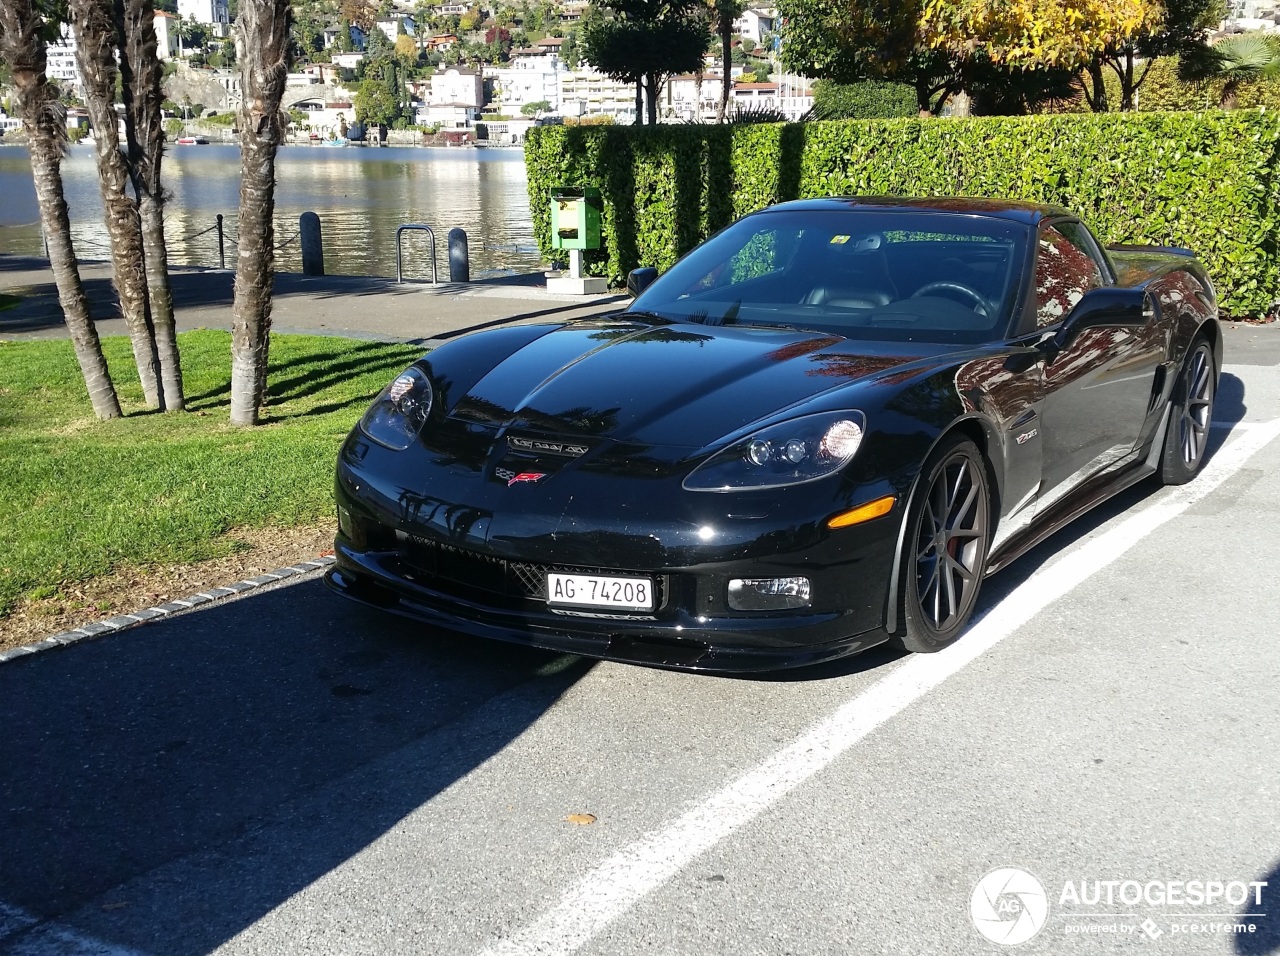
(543, 446)
(512, 477)
(525, 476)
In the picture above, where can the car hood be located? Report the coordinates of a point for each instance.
(683, 385)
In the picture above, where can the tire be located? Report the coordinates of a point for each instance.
(1190, 416)
(950, 516)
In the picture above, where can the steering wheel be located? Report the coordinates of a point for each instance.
(978, 300)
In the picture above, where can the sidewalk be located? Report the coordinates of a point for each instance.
(377, 308)
(355, 306)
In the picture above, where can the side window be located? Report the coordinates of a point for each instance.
(1064, 273)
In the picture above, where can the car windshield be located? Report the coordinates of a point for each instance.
(863, 274)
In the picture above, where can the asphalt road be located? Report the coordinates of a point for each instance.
(284, 773)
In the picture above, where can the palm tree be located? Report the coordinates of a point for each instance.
(22, 46)
(263, 41)
(1235, 60)
(141, 71)
(96, 43)
(724, 13)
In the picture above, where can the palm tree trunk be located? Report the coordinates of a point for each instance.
(726, 58)
(96, 42)
(43, 118)
(140, 68)
(263, 27)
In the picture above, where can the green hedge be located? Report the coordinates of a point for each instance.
(1206, 181)
(866, 100)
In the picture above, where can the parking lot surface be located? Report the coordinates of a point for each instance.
(287, 773)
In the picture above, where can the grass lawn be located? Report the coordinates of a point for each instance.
(79, 496)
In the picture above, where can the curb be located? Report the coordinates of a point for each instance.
(123, 622)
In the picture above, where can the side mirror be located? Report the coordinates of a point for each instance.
(1105, 308)
(639, 279)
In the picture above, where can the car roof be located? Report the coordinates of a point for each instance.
(1027, 213)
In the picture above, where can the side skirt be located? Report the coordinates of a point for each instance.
(1091, 494)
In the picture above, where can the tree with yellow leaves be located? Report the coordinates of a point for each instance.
(1035, 33)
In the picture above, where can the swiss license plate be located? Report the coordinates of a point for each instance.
(593, 590)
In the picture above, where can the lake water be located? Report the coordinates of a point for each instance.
(361, 195)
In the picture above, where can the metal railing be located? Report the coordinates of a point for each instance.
(418, 227)
(222, 251)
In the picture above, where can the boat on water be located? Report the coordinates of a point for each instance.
(191, 141)
(335, 142)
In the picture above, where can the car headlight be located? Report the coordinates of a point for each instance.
(399, 412)
(789, 453)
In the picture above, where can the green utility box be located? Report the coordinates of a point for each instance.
(575, 217)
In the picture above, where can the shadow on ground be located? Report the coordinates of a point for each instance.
(10, 263)
(234, 756)
(1266, 940)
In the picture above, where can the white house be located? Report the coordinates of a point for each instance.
(572, 11)
(457, 86)
(754, 23)
(333, 32)
(391, 26)
(685, 97)
(166, 35)
(527, 79)
(212, 12)
(508, 132)
(322, 117)
(585, 92)
(446, 115)
(61, 63)
(453, 100)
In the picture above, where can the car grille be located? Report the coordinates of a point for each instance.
(471, 574)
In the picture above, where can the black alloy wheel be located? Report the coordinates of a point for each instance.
(945, 550)
(1190, 417)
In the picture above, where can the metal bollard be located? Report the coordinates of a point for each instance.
(312, 251)
(459, 259)
(222, 250)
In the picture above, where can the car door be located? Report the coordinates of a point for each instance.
(1098, 388)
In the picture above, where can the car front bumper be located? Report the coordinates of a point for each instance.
(502, 596)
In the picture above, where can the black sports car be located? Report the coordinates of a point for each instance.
(817, 432)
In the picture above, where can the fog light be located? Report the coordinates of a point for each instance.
(768, 594)
(351, 529)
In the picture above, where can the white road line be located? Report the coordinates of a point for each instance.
(616, 885)
(51, 939)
